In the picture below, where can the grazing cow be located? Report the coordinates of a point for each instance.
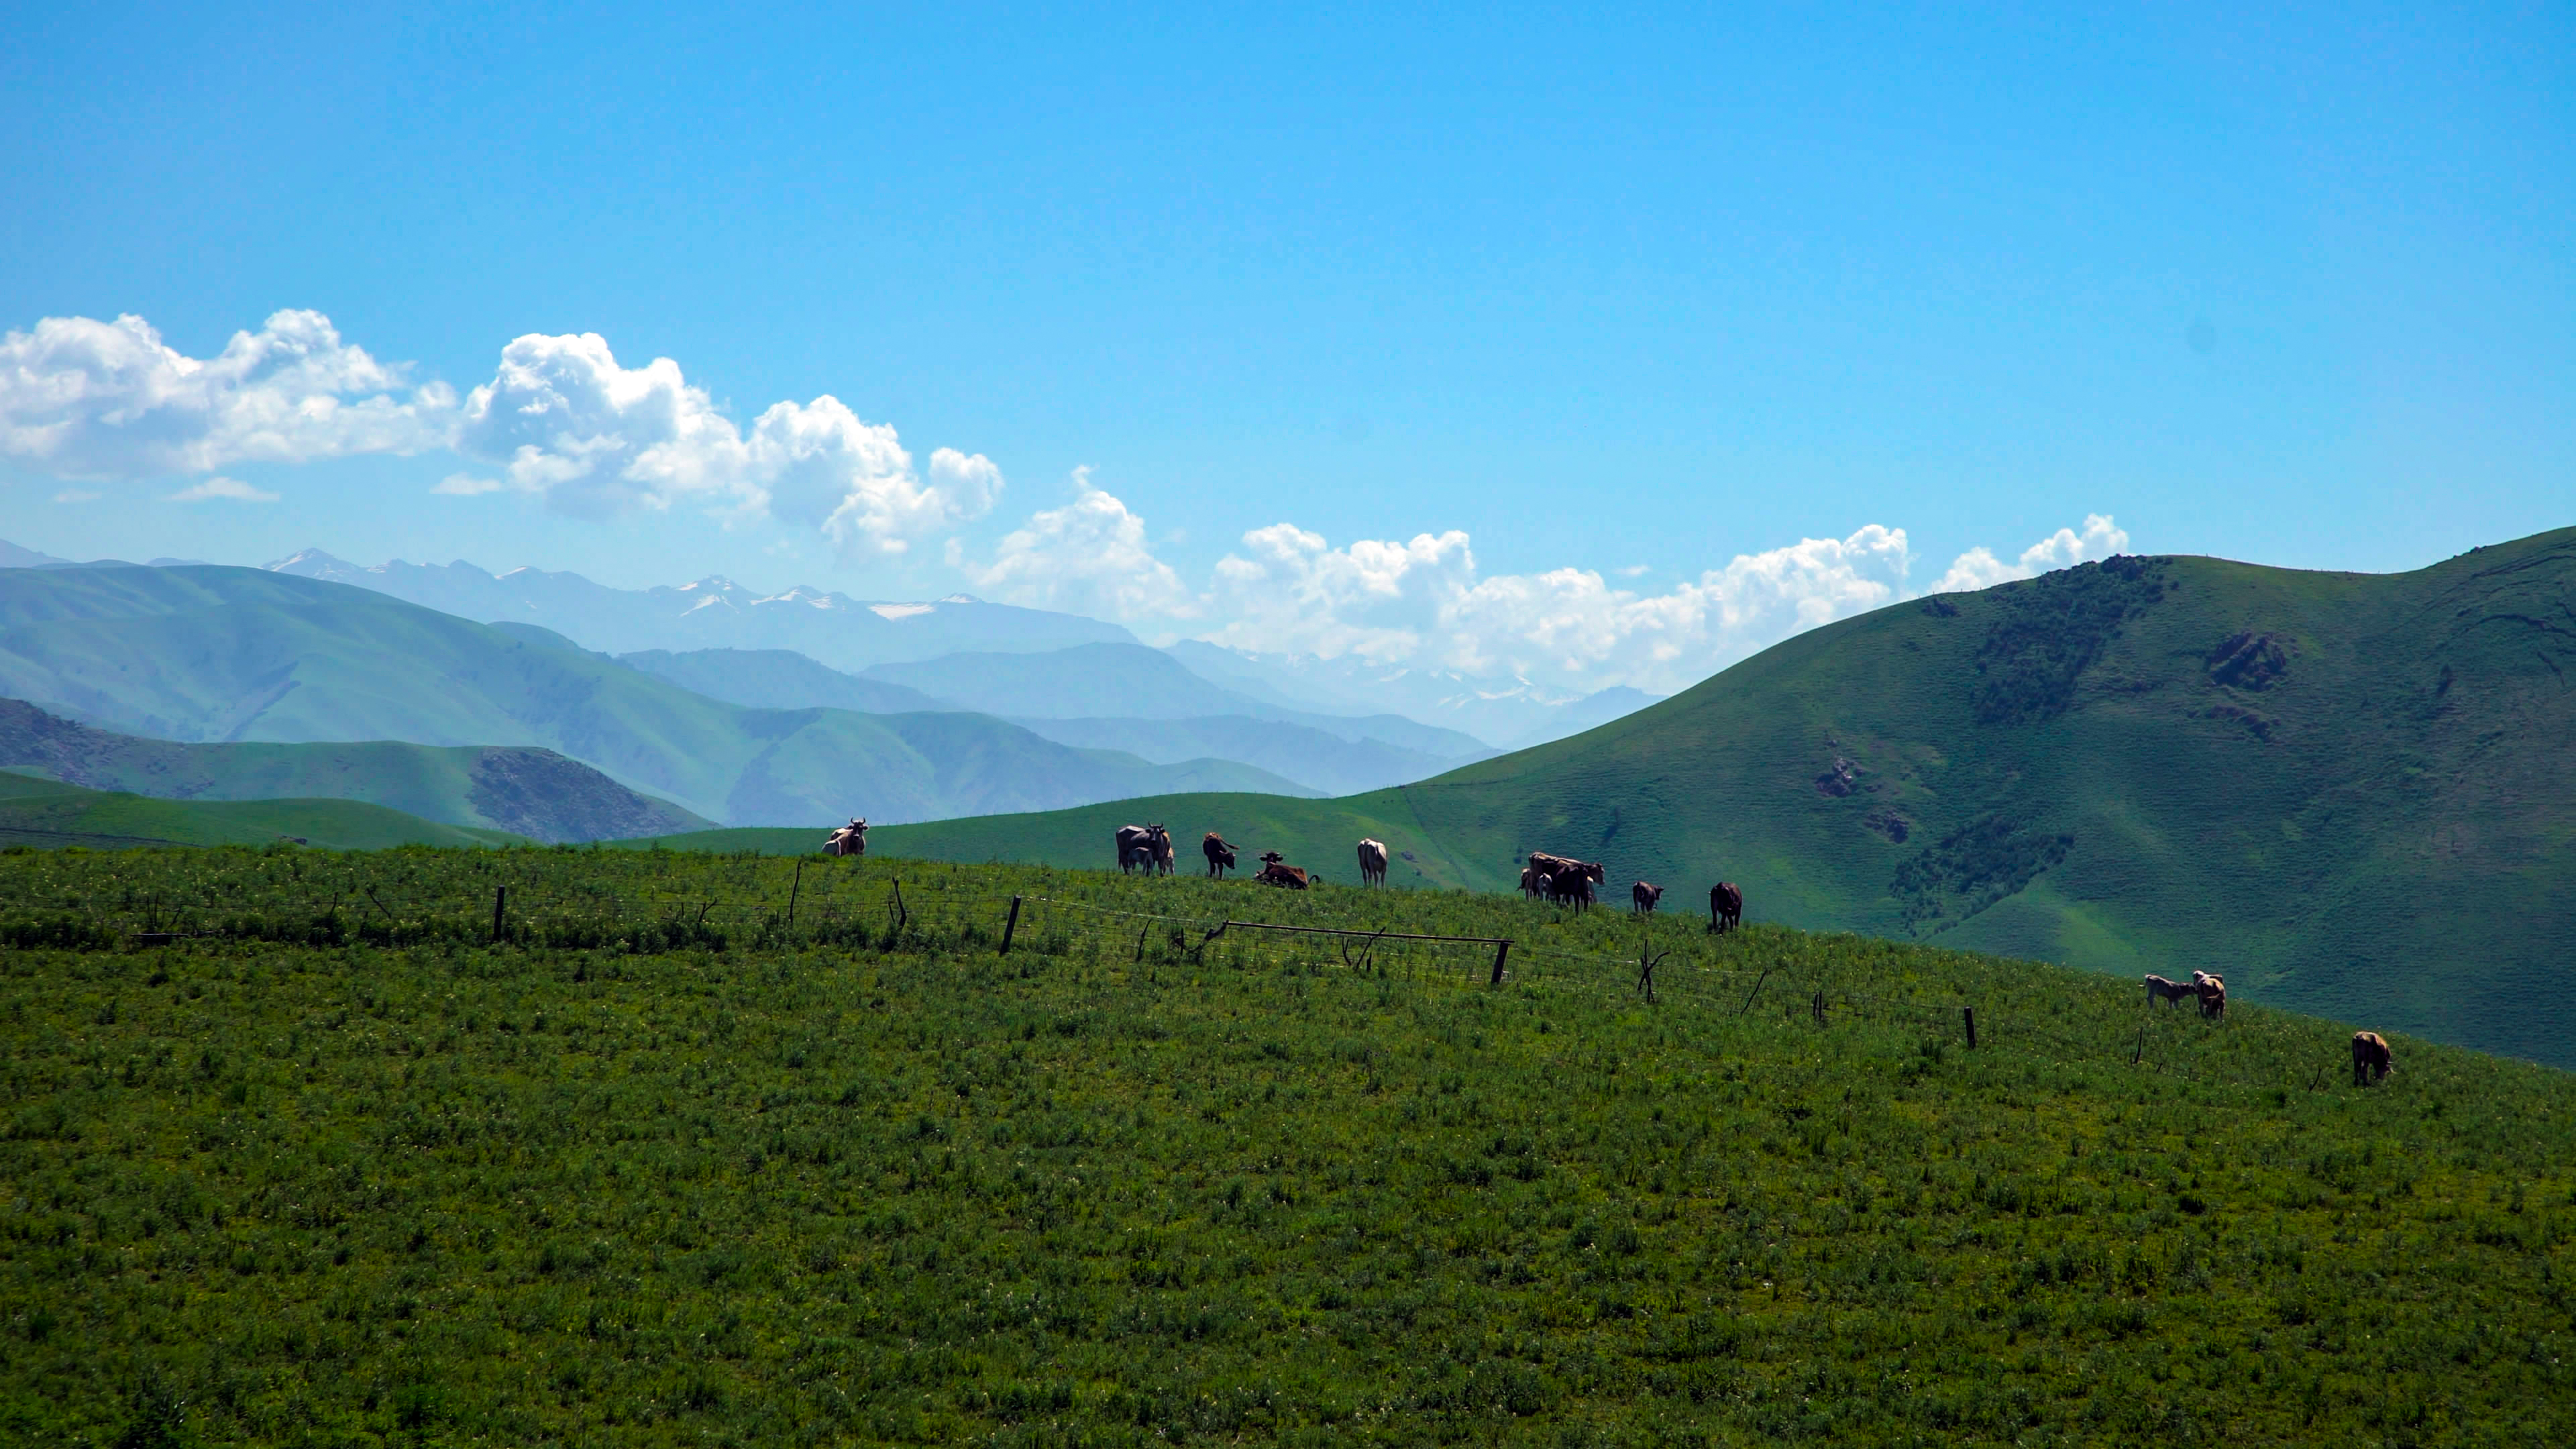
(1532, 883)
(1220, 856)
(1725, 907)
(1147, 845)
(850, 839)
(2159, 989)
(2212, 993)
(1372, 863)
(1273, 872)
(1642, 898)
(1572, 881)
(1547, 865)
(2370, 1055)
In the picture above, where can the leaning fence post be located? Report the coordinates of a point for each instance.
(1501, 950)
(1968, 1014)
(1820, 1007)
(902, 917)
(1009, 926)
(499, 894)
(792, 889)
(2140, 1054)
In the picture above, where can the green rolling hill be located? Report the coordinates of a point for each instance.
(208, 654)
(51, 814)
(522, 791)
(2349, 794)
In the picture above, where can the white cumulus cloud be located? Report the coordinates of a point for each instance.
(1090, 556)
(222, 487)
(1423, 603)
(1978, 568)
(81, 398)
(563, 419)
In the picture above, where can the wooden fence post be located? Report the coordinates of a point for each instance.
(499, 894)
(2140, 1054)
(1820, 1007)
(1968, 1014)
(902, 917)
(1501, 950)
(793, 889)
(1010, 926)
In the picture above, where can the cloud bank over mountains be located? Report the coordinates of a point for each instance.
(563, 422)
(1423, 603)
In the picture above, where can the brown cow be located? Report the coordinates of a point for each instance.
(850, 839)
(1372, 863)
(2370, 1055)
(1642, 898)
(2159, 989)
(1220, 856)
(1276, 874)
(1725, 907)
(2213, 995)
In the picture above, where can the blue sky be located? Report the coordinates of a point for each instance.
(1645, 290)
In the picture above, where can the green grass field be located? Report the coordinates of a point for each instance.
(728, 1150)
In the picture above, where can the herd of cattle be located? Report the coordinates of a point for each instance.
(1561, 880)
(1565, 881)
(2371, 1060)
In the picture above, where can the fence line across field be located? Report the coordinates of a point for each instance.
(1678, 972)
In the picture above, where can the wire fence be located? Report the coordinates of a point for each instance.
(830, 909)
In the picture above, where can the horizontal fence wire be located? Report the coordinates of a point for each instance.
(833, 907)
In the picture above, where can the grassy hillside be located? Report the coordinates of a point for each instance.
(221, 654)
(533, 793)
(50, 814)
(664, 1168)
(2346, 793)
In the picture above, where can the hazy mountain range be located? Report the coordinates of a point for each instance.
(854, 636)
(1092, 687)
(522, 790)
(208, 654)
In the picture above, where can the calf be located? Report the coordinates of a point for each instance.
(2159, 989)
(1642, 898)
(2370, 1056)
(1220, 856)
